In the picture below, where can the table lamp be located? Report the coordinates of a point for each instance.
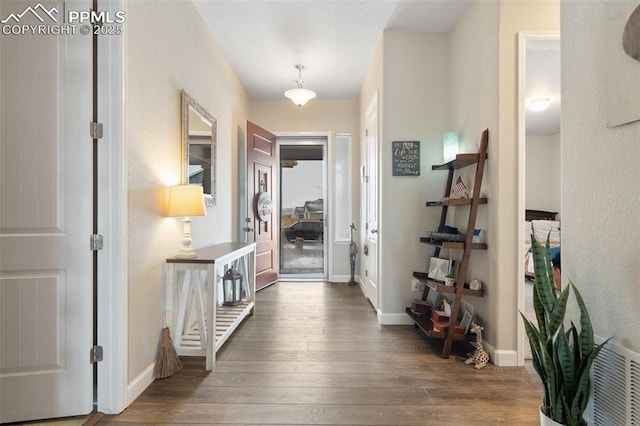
(187, 201)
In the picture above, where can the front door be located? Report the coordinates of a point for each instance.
(371, 280)
(46, 312)
(260, 222)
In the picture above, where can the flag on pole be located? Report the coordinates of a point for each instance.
(459, 186)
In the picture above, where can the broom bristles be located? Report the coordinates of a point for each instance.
(168, 362)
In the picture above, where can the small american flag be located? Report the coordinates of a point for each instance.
(459, 186)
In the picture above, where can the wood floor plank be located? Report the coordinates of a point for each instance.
(295, 396)
(314, 353)
(363, 367)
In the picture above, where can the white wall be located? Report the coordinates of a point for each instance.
(474, 107)
(600, 203)
(319, 115)
(411, 73)
(513, 17)
(160, 62)
(542, 181)
(484, 95)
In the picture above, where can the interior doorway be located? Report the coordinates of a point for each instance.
(303, 208)
(539, 177)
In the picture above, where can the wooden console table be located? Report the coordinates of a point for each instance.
(193, 298)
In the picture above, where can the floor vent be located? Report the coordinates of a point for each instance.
(616, 387)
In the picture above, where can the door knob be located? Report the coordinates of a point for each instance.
(374, 231)
(247, 229)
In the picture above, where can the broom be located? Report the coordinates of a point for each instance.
(167, 362)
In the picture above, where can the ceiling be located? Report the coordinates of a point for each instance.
(543, 81)
(333, 39)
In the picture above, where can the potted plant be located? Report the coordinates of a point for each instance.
(561, 357)
(449, 280)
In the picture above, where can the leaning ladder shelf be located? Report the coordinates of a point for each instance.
(460, 288)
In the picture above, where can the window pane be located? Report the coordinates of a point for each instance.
(342, 163)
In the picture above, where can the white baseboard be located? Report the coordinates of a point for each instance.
(394, 319)
(340, 278)
(139, 384)
(501, 357)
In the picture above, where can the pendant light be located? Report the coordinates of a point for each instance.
(539, 104)
(300, 96)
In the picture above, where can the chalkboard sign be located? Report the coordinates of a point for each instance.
(406, 158)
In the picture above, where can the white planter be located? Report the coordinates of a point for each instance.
(546, 421)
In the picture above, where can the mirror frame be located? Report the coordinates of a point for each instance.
(189, 102)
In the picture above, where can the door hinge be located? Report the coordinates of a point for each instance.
(95, 130)
(96, 242)
(366, 132)
(95, 354)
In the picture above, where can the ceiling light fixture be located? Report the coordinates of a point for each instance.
(300, 96)
(539, 104)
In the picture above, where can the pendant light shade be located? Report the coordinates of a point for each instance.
(539, 104)
(299, 95)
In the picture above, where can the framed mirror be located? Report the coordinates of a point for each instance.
(199, 140)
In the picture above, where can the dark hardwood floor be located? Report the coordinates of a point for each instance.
(314, 353)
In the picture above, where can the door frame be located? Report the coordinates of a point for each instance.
(112, 202)
(523, 38)
(326, 176)
(328, 242)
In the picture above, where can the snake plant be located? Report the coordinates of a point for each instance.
(561, 357)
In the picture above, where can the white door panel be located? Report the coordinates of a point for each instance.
(46, 313)
(371, 280)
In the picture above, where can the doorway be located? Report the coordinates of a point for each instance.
(539, 157)
(302, 250)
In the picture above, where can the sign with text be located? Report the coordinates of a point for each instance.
(406, 158)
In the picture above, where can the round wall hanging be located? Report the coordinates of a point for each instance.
(264, 206)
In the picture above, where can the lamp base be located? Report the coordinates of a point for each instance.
(185, 256)
(186, 253)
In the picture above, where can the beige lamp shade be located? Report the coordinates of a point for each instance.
(186, 200)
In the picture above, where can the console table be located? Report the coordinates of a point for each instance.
(193, 298)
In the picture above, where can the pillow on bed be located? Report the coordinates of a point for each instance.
(542, 229)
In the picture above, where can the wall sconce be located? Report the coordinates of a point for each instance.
(450, 146)
(187, 201)
(232, 287)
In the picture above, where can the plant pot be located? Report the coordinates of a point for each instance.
(448, 281)
(547, 421)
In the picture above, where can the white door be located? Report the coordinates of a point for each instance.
(46, 318)
(371, 279)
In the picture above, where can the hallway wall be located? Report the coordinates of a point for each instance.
(159, 63)
(598, 165)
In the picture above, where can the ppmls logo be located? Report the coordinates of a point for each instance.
(97, 22)
(33, 11)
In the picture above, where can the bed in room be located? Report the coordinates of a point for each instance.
(541, 223)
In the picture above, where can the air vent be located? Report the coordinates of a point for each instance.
(616, 387)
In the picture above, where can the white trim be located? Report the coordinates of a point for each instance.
(112, 203)
(327, 171)
(523, 38)
(505, 358)
(340, 278)
(394, 319)
(500, 357)
(140, 383)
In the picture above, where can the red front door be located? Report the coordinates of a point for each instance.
(261, 170)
